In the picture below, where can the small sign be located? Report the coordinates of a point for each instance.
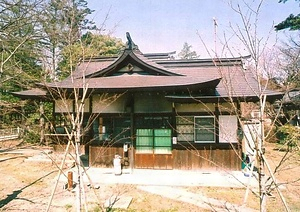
(125, 147)
(174, 139)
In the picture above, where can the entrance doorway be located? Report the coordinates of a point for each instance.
(154, 145)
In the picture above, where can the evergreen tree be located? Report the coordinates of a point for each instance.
(292, 22)
(291, 66)
(90, 45)
(19, 49)
(187, 53)
(63, 23)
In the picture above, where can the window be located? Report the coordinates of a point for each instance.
(112, 129)
(144, 141)
(157, 141)
(162, 141)
(185, 128)
(198, 129)
(204, 129)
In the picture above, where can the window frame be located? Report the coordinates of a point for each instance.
(152, 146)
(188, 121)
(197, 128)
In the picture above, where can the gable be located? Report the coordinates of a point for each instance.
(130, 62)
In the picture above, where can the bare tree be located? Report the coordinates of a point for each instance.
(259, 67)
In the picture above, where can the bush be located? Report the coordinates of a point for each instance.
(31, 136)
(289, 135)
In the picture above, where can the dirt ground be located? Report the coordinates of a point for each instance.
(27, 186)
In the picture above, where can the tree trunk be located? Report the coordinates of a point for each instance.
(77, 153)
(42, 124)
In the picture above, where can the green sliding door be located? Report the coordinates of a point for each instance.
(157, 141)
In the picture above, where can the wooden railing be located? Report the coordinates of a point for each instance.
(9, 134)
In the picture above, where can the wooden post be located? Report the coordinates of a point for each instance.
(70, 180)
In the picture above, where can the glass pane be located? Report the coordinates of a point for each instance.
(144, 141)
(185, 120)
(162, 132)
(144, 132)
(185, 137)
(162, 141)
(204, 122)
(204, 129)
(185, 128)
(205, 137)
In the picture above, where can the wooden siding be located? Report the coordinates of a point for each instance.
(206, 159)
(144, 161)
(185, 159)
(154, 161)
(103, 156)
(227, 107)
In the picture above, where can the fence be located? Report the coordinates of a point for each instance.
(8, 134)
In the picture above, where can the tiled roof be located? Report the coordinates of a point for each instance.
(108, 68)
(235, 81)
(140, 83)
(32, 93)
(135, 71)
(90, 67)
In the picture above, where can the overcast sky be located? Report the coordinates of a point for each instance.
(164, 25)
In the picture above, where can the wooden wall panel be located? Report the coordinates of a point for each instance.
(180, 159)
(103, 156)
(163, 161)
(144, 161)
(206, 159)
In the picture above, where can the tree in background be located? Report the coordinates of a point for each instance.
(290, 51)
(90, 45)
(291, 64)
(292, 22)
(41, 41)
(20, 66)
(187, 53)
(63, 23)
(257, 46)
(20, 32)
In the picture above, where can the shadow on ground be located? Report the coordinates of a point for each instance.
(15, 194)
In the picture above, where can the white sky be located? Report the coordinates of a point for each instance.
(164, 25)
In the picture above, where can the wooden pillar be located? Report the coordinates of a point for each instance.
(70, 180)
(217, 127)
(132, 133)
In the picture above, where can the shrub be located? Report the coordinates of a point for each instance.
(31, 135)
(289, 135)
